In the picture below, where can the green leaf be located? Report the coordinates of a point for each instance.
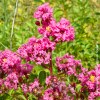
(21, 97)
(11, 92)
(4, 97)
(78, 87)
(38, 68)
(32, 77)
(43, 1)
(32, 97)
(55, 70)
(42, 77)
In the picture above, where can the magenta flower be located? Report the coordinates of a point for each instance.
(9, 61)
(68, 64)
(37, 50)
(25, 69)
(57, 90)
(91, 80)
(48, 95)
(24, 88)
(48, 28)
(61, 31)
(94, 95)
(66, 31)
(33, 86)
(88, 79)
(43, 12)
(11, 81)
(51, 79)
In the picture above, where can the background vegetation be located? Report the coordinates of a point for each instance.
(83, 14)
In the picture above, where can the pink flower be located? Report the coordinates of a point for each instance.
(57, 89)
(9, 61)
(26, 68)
(48, 95)
(37, 50)
(66, 31)
(43, 12)
(48, 80)
(51, 79)
(48, 28)
(72, 89)
(24, 88)
(34, 85)
(91, 80)
(11, 81)
(68, 64)
(61, 31)
(94, 95)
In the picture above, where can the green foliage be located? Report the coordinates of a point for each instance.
(42, 77)
(78, 87)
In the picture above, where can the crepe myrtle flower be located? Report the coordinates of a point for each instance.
(66, 31)
(9, 61)
(48, 27)
(11, 81)
(25, 69)
(57, 90)
(48, 94)
(25, 88)
(94, 95)
(33, 87)
(50, 80)
(91, 79)
(43, 12)
(88, 80)
(69, 65)
(59, 31)
(37, 50)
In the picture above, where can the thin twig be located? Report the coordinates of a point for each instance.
(12, 30)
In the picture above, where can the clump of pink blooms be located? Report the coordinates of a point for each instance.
(33, 87)
(37, 50)
(91, 80)
(69, 65)
(48, 27)
(57, 89)
(16, 67)
(9, 61)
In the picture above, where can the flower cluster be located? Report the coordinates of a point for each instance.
(11, 70)
(33, 87)
(59, 31)
(69, 65)
(9, 61)
(91, 81)
(11, 81)
(57, 90)
(44, 12)
(37, 50)
(72, 81)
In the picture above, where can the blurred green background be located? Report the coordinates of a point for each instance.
(84, 15)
